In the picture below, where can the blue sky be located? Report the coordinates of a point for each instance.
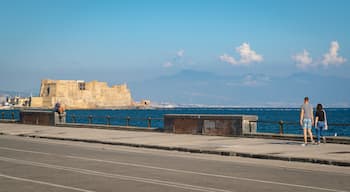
(251, 46)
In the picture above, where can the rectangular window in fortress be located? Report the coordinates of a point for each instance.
(81, 86)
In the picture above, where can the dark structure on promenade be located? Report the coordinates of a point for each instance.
(224, 125)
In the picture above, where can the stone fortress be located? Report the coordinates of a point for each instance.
(78, 94)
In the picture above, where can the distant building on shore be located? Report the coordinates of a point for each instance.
(3, 100)
(78, 94)
(14, 101)
(18, 101)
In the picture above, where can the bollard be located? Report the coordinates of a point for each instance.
(74, 119)
(149, 122)
(13, 115)
(127, 121)
(2, 115)
(281, 127)
(90, 119)
(108, 120)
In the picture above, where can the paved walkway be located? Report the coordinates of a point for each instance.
(336, 154)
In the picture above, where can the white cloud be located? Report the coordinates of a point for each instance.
(176, 59)
(167, 64)
(332, 58)
(228, 59)
(180, 53)
(247, 56)
(303, 59)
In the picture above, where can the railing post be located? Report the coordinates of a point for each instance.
(149, 122)
(108, 120)
(2, 115)
(250, 127)
(74, 119)
(90, 119)
(127, 121)
(13, 115)
(281, 127)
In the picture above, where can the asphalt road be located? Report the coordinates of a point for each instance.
(28, 164)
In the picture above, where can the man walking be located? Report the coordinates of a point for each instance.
(307, 120)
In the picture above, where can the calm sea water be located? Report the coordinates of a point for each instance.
(268, 117)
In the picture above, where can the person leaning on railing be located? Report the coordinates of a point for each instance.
(59, 108)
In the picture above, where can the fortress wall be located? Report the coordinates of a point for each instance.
(36, 102)
(92, 94)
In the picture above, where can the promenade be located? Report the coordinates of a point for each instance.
(334, 154)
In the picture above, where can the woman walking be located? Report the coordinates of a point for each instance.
(320, 123)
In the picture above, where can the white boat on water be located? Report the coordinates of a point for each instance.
(164, 106)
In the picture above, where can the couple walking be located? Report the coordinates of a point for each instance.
(307, 120)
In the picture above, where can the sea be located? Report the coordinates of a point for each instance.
(269, 118)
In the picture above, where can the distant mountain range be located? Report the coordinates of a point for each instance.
(196, 87)
(201, 88)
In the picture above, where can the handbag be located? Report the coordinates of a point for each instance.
(325, 120)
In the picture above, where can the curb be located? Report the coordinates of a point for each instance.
(194, 150)
(9, 121)
(292, 137)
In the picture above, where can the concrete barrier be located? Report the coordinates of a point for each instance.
(221, 125)
(41, 117)
(60, 118)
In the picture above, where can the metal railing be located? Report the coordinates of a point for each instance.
(10, 115)
(112, 120)
(282, 124)
(280, 127)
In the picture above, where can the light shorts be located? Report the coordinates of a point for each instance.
(307, 124)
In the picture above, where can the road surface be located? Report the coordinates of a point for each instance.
(29, 164)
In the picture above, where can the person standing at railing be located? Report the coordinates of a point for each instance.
(320, 123)
(59, 108)
(307, 120)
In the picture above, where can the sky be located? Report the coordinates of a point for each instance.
(232, 53)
